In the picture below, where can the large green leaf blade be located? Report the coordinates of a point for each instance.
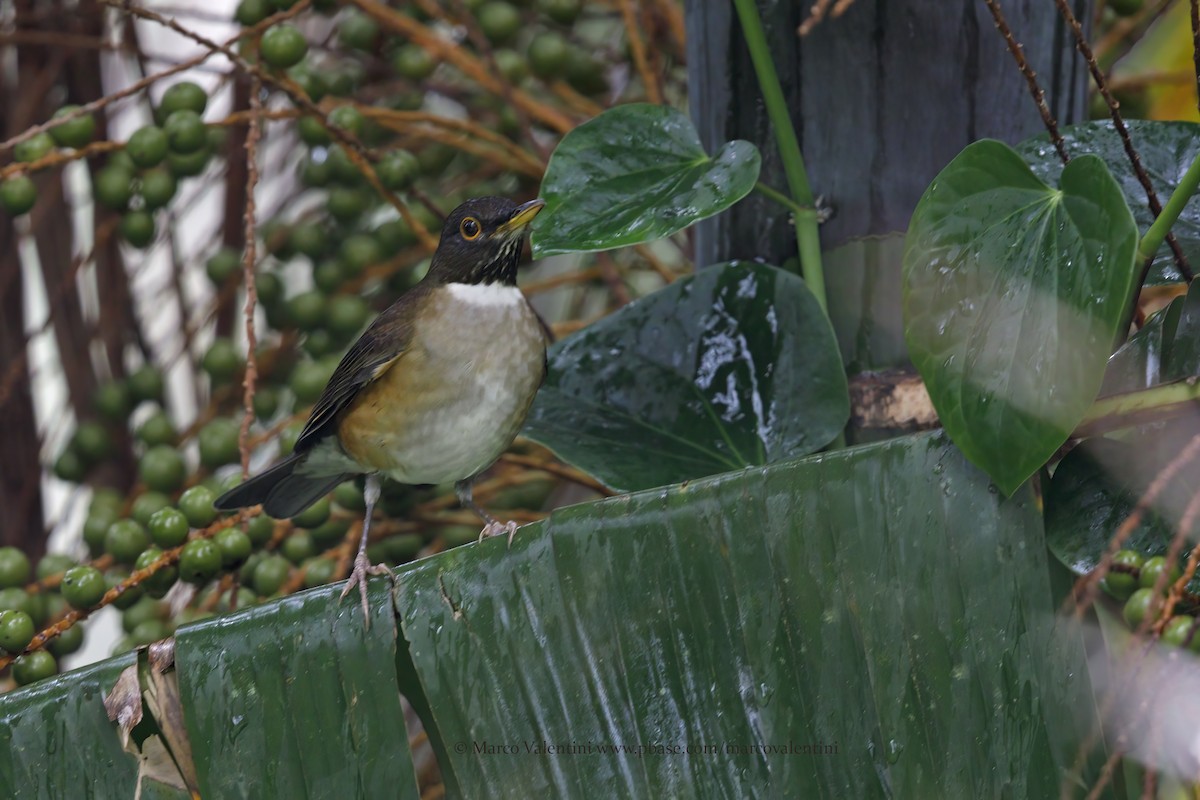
(56, 742)
(840, 602)
(295, 699)
(1166, 149)
(635, 173)
(731, 367)
(1013, 294)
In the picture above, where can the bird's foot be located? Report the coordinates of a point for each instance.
(495, 527)
(358, 577)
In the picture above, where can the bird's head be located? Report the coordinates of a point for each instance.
(481, 241)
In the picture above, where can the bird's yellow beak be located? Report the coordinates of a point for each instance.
(521, 217)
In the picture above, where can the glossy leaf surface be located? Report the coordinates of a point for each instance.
(1013, 294)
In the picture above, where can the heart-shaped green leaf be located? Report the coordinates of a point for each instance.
(1013, 294)
(635, 173)
(731, 367)
(1166, 149)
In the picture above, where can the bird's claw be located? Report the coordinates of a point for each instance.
(495, 527)
(358, 577)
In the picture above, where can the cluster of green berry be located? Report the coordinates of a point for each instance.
(1132, 579)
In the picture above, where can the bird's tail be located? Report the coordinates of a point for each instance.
(282, 491)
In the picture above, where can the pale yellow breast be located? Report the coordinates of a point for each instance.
(454, 401)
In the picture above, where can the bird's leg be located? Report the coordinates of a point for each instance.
(362, 565)
(492, 526)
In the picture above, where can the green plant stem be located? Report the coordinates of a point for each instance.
(781, 198)
(1154, 237)
(1155, 404)
(807, 236)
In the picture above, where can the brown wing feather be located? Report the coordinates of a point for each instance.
(379, 347)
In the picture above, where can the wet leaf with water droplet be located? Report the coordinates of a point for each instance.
(636, 173)
(1048, 273)
(1166, 150)
(731, 367)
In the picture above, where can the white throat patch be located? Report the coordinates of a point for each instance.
(486, 295)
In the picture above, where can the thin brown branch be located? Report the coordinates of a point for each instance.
(638, 49)
(1035, 90)
(248, 260)
(1135, 161)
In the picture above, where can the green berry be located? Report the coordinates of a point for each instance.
(235, 547)
(585, 73)
(95, 527)
(39, 146)
(129, 597)
(33, 667)
(308, 381)
(219, 442)
(161, 468)
(158, 584)
(283, 46)
(147, 146)
(199, 561)
(318, 572)
(316, 172)
(266, 402)
(197, 506)
(169, 526)
(137, 228)
(146, 383)
(310, 240)
(186, 132)
(348, 118)
(187, 165)
(345, 171)
(1126, 8)
(402, 548)
(92, 441)
(564, 12)
(1177, 630)
(346, 204)
(113, 187)
(125, 540)
(290, 433)
(53, 564)
(18, 195)
(312, 132)
(70, 466)
(222, 361)
(314, 515)
(222, 265)
(144, 609)
(398, 170)
(348, 313)
(147, 505)
(298, 547)
(113, 401)
(330, 532)
(149, 632)
(269, 287)
(83, 586)
(312, 83)
(328, 277)
(252, 12)
(158, 188)
(512, 65)
(184, 96)
(500, 22)
(1153, 568)
(308, 310)
(319, 343)
(260, 529)
(348, 496)
(548, 53)
(67, 642)
(1143, 602)
(270, 574)
(75, 133)
(413, 62)
(16, 630)
(14, 567)
(358, 31)
(157, 429)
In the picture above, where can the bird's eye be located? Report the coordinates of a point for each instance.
(470, 229)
